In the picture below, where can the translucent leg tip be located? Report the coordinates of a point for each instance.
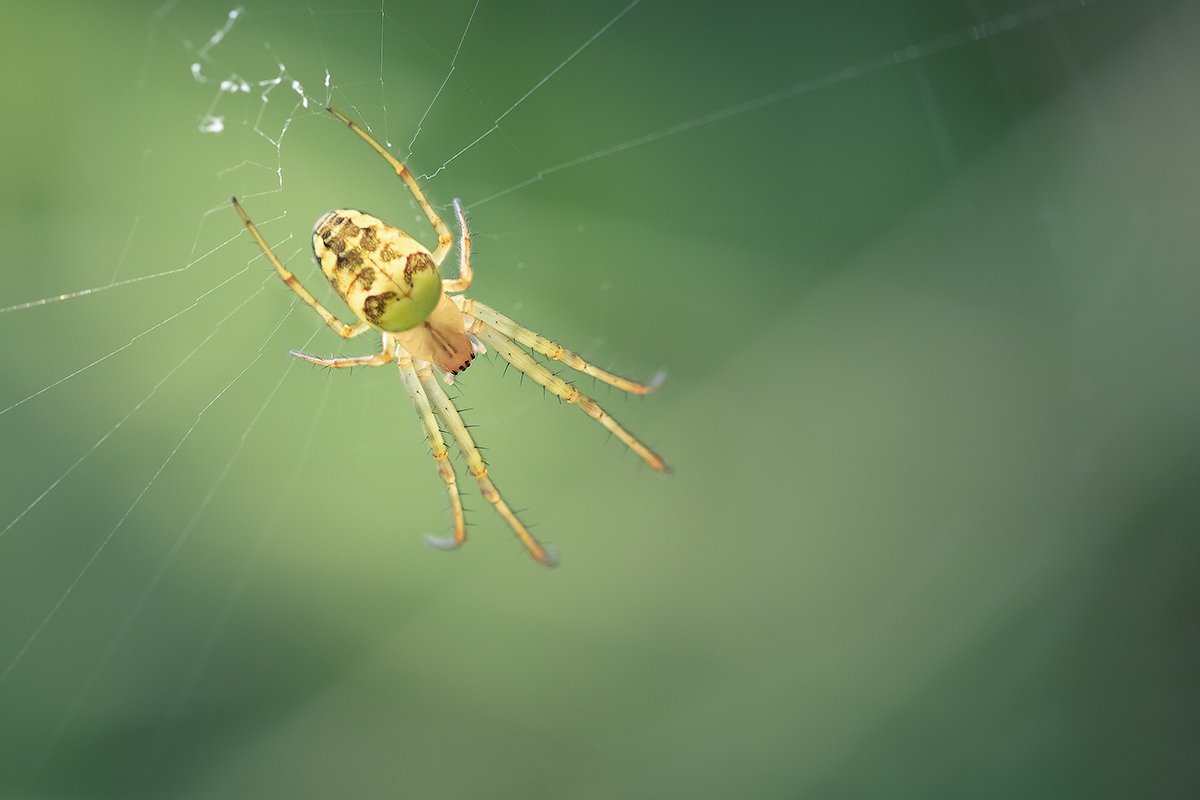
(658, 380)
(305, 356)
(550, 559)
(441, 542)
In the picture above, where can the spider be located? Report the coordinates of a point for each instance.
(393, 286)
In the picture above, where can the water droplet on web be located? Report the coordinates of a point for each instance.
(298, 89)
(211, 124)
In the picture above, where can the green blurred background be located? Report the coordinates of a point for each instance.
(928, 314)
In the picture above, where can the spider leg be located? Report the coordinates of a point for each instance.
(340, 328)
(443, 233)
(463, 281)
(438, 447)
(466, 445)
(540, 344)
(524, 362)
(375, 360)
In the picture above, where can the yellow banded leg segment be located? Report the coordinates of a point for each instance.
(540, 344)
(437, 447)
(568, 393)
(466, 445)
(342, 329)
(443, 233)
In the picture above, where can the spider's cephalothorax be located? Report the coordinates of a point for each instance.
(392, 284)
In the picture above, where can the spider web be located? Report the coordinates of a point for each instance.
(179, 486)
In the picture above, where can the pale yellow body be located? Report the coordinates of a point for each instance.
(363, 257)
(392, 283)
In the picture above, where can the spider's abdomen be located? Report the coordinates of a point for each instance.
(386, 277)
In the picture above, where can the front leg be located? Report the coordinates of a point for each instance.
(376, 360)
(342, 329)
(463, 281)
